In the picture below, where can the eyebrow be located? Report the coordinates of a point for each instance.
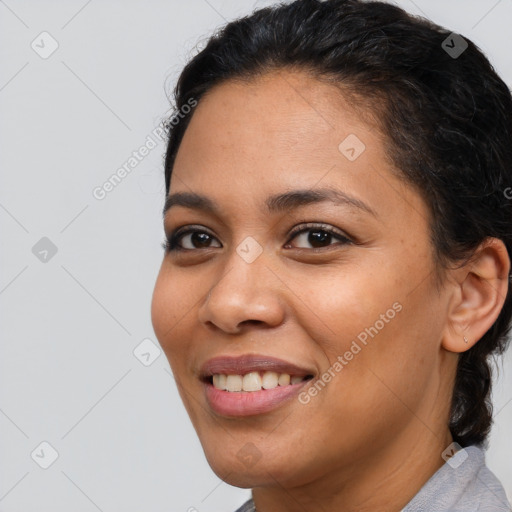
(277, 203)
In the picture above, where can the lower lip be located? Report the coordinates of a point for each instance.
(249, 403)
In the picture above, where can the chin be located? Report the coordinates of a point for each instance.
(246, 479)
(239, 469)
(234, 473)
(243, 468)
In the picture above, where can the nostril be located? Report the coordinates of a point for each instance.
(251, 322)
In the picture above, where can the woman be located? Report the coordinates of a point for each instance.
(337, 258)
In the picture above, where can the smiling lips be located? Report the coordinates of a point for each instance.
(250, 384)
(254, 381)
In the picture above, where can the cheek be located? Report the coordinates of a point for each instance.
(170, 305)
(376, 329)
(162, 307)
(346, 302)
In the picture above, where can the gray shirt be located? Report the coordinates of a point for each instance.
(463, 484)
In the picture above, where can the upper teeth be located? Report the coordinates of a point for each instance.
(253, 381)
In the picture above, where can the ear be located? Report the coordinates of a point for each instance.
(479, 291)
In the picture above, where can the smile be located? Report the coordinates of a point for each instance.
(250, 385)
(254, 381)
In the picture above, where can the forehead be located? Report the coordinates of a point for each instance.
(283, 131)
(270, 126)
(282, 108)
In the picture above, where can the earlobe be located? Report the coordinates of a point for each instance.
(480, 290)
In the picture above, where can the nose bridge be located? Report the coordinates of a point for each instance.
(246, 266)
(245, 291)
(245, 273)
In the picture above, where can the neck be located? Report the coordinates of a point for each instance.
(385, 481)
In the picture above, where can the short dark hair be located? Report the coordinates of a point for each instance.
(447, 119)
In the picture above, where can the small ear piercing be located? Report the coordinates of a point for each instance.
(465, 340)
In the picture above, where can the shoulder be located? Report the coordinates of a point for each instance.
(248, 506)
(463, 484)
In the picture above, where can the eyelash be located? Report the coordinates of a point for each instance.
(171, 243)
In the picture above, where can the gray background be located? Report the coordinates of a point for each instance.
(70, 324)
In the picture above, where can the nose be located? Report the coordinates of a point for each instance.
(245, 294)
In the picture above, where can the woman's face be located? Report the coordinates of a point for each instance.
(282, 278)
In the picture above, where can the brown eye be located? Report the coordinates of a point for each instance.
(196, 240)
(319, 237)
(189, 240)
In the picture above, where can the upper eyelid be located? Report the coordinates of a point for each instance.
(321, 226)
(188, 228)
